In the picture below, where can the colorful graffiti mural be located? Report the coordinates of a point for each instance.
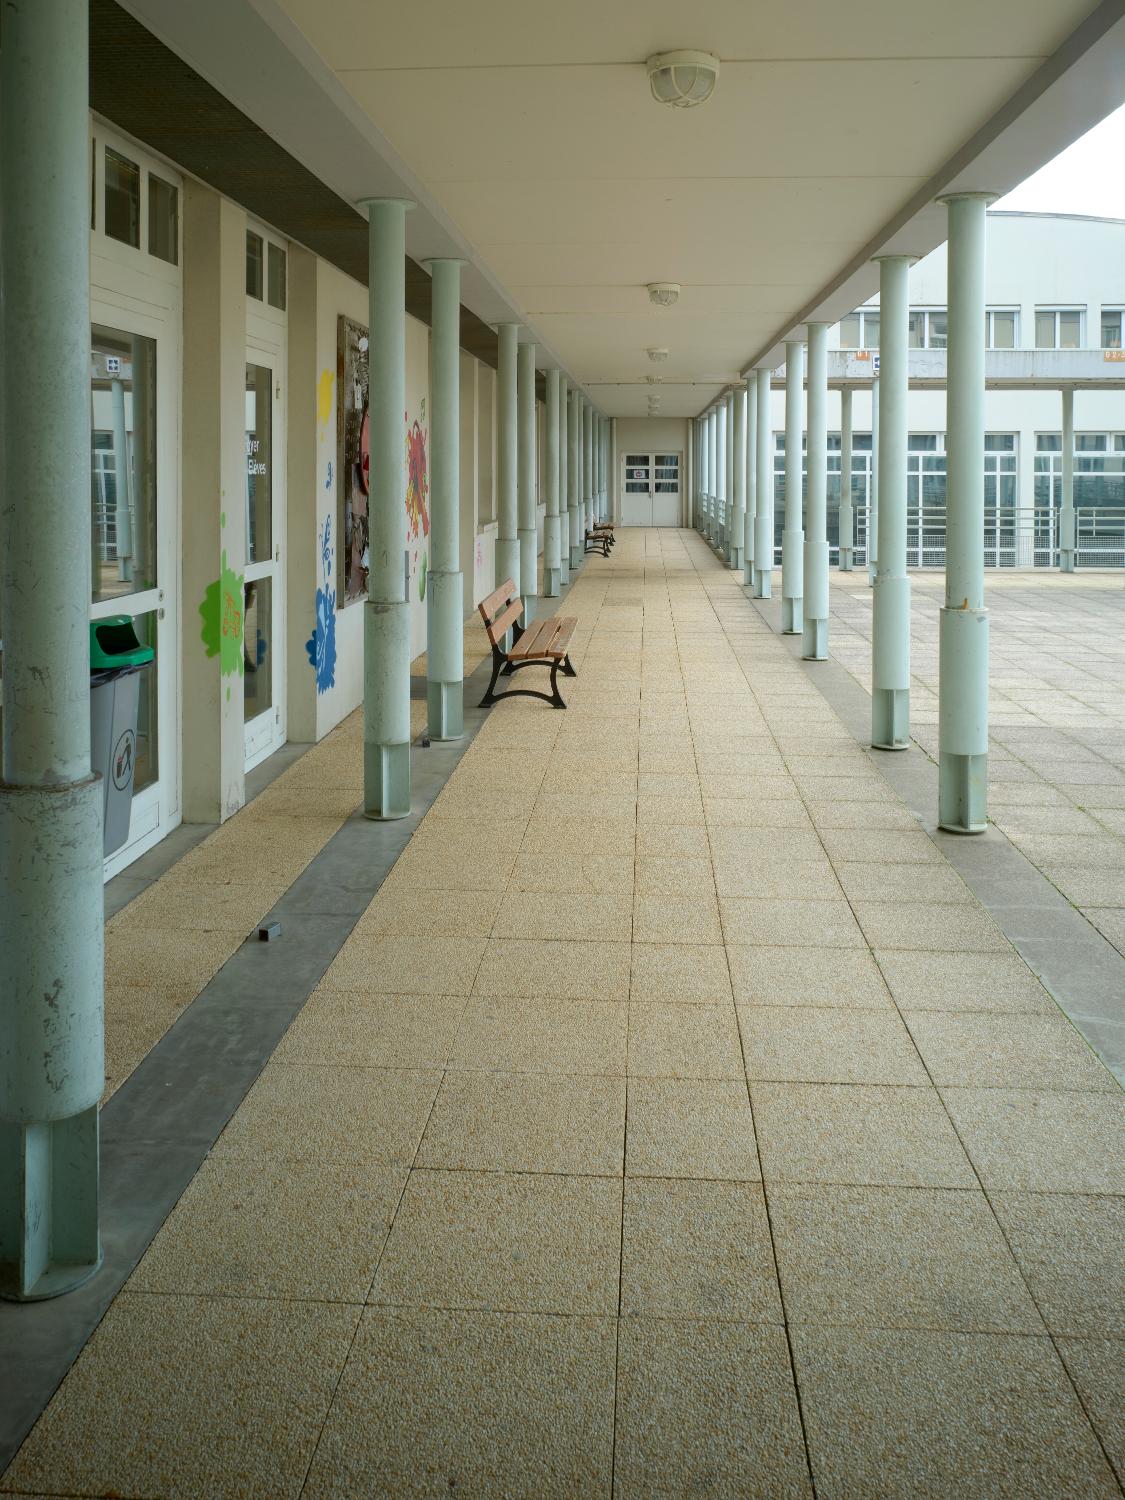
(321, 645)
(221, 614)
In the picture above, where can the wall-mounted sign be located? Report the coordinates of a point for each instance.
(113, 364)
(1115, 354)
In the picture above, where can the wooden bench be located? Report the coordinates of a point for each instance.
(544, 643)
(599, 538)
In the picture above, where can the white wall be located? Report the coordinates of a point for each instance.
(649, 435)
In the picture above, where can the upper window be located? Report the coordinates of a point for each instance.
(255, 265)
(1112, 319)
(163, 219)
(266, 264)
(860, 329)
(928, 328)
(1058, 328)
(122, 198)
(1001, 328)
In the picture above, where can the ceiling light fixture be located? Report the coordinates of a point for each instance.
(663, 293)
(657, 355)
(682, 79)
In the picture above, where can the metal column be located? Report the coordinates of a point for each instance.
(890, 647)
(729, 469)
(793, 537)
(815, 624)
(1067, 528)
(738, 513)
(507, 466)
(963, 639)
(847, 516)
(748, 533)
(552, 534)
(574, 479)
(564, 460)
(51, 956)
(445, 634)
(526, 447)
(873, 493)
(763, 514)
(386, 637)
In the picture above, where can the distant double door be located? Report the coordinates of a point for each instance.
(650, 489)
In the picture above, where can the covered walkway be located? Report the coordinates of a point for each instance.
(674, 1120)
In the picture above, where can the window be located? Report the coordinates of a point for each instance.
(1112, 318)
(123, 462)
(1058, 328)
(255, 267)
(122, 198)
(860, 329)
(163, 220)
(927, 328)
(999, 469)
(1099, 469)
(276, 288)
(1001, 328)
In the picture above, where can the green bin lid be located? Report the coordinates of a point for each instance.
(114, 643)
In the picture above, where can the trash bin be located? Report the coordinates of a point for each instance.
(117, 659)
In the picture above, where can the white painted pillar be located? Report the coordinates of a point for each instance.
(527, 449)
(574, 479)
(564, 460)
(847, 516)
(751, 469)
(793, 537)
(890, 650)
(731, 466)
(873, 490)
(738, 513)
(815, 623)
(551, 527)
(1068, 538)
(763, 514)
(445, 633)
(507, 460)
(963, 639)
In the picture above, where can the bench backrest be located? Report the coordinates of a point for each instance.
(500, 611)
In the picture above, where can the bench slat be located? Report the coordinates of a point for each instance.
(496, 600)
(533, 640)
(504, 622)
(560, 644)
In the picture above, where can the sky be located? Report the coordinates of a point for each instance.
(1087, 178)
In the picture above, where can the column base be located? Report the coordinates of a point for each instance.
(890, 719)
(1066, 562)
(814, 635)
(575, 556)
(845, 559)
(386, 709)
(792, 616)
(49, 1240)
(872, 572)
(962, 793)
(763, 583)
(735, 558)
(386, 781)
(748, 573)
(531, 610)
(552, 582)
(445, 719)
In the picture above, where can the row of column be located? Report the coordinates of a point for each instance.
(734, 510)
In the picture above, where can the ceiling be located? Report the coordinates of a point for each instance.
(531, 140)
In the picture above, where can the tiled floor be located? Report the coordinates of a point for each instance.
(675, 1121)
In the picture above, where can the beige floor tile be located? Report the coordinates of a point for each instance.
(565, 915)
(930, 885)
(542, 969)
(351, 1029)
(879, 845)
(1006, 1051)
(697, 1250)
(543, 1036)
(1006, 1421)
(291, 1229)
(437, 1402)
(775, 878)
(857, 1135)
(780, 923)
(707, 1408)
(504, 1243)
(406, 965)
(1110, 922)
(739, 812)
(691, 1127)
(897, 1258)
(675, 812)
(364, 1116)
(845, 977)
(191, 1396)
(684, 1041)
(832, 813)
(1071, 1249)
(589, 875)
(680, 973)
(1097, 1367)
(684, 784)
(580, 837)
(822, 1045)
(665, 842)
(1044, 1142)
(175, 905)
(676, 919)
(398, 912)
(159, 958)
(673, 875)
(526, 1122)
(953, 929)
(963, 982)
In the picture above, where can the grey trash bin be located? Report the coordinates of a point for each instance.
(117, 659)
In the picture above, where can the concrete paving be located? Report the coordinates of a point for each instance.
(675, 1119)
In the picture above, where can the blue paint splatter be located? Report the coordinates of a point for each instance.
(321, 645)
(328, 481)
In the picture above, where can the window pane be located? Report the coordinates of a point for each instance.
(254, 270)
(257, 647)
(1070, 330)
(1004, 330)
(922, 441)
(916, 330)
(1111, 330)
(938, 329)
(122, 198)
(259, 464)
(1049, 442)
(122, 462)
(146, 766)
(1044, 330)
(849, 331)
(163, 219)
(999, 442)
(871, 330)
(1090, 442)
(276, 277)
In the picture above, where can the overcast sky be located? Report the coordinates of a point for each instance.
(1088, 178)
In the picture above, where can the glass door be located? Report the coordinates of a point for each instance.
(636, 490)
(666, 507)
(263, 677)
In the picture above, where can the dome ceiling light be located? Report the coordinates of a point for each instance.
(663, 293)
(657, 355)
(682, 79)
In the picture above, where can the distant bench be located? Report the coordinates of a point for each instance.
(600, 538)
(544, 643)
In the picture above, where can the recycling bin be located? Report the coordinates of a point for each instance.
(117, 658)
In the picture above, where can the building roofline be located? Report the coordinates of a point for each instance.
(1025, 213)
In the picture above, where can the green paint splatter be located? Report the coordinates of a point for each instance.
(222, 518)
(423, 571)
(221, 613)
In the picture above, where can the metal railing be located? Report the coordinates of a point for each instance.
(1013, 537)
